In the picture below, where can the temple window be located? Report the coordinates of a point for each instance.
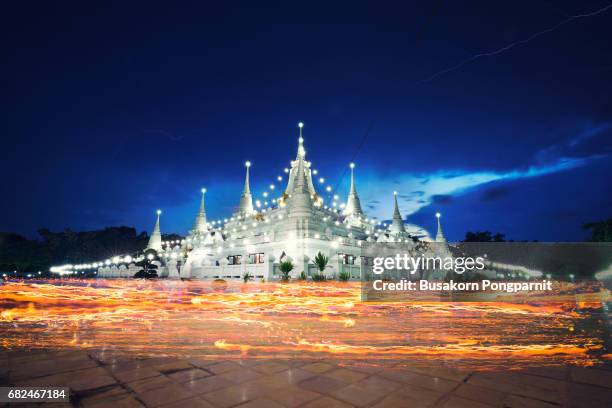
(257, 258)
(234, 259)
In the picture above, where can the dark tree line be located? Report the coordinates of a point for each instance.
(55, 248)
(601, 231)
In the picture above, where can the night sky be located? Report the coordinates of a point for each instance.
(113, 110)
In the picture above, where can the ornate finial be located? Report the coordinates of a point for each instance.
(301, 151)
(439, 235)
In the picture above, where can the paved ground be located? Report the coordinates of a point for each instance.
(101, 380)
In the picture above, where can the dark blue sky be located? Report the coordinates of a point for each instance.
(113, 110)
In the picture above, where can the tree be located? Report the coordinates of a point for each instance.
(286, 267)
(149, 268)
(601, 231)
(321, 261)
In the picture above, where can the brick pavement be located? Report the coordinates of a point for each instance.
(99, 379)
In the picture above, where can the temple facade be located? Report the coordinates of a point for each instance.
(296, 227)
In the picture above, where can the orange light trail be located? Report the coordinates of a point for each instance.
(294, 320)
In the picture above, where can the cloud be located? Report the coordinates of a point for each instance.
(441, 199)
(494, 193)
(438, 188)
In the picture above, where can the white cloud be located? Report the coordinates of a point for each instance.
(417, 190)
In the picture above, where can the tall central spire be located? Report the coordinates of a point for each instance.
(200, 224)
(397, 225)
(246, 200)
(300, 204)
(155, 241)
(353, 204)
(301, 155)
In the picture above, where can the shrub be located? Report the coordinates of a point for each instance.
(247, 277)
(318, 277)
(344, 276)
(303, 276)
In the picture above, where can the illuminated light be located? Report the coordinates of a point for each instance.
(254, 224)
(107, 262)
(265, 203)
(272, 187)
(352, 165)
(203, 191)
(258, 203)
(279, 178)
(328, 188)
(159, 212)
(286, 170)
(244, 227)
(300, 125)
(395, 193)
(317, 236)
(334, 244)
(247, 163)
(173, 255)
(315, 172)
(438, 215)
(335, 196)
(321, 180)
(150, 257)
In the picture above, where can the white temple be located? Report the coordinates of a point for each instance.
(295, 228)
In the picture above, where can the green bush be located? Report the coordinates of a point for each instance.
(344, 276)
(303, 276)
(247, 277)
(318, 277)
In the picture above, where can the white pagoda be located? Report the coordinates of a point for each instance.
(295, 228)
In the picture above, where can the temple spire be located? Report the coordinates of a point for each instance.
(397, 225)
(439, 235)
(246, 200)
(300, 204)
(155, 239)
(200, 224)
(353, 204)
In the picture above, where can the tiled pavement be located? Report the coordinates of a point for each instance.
(98, 379)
